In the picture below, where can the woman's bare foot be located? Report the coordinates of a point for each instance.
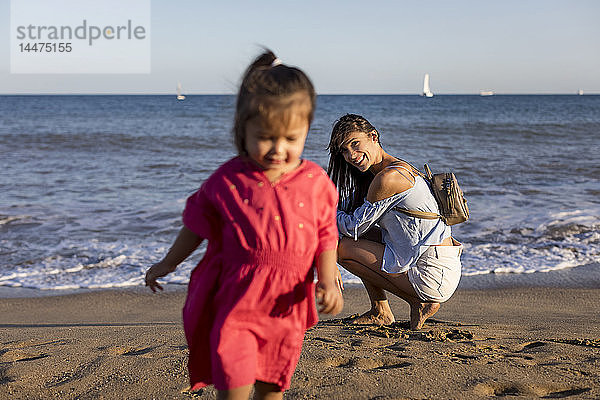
(379, 314)
(372, 318)
(419, 313)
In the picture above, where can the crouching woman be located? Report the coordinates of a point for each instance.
(415, 259)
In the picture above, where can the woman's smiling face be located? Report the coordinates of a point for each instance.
(361, 150)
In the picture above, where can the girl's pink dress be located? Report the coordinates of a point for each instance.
(251, 297)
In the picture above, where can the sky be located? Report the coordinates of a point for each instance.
(352, 47)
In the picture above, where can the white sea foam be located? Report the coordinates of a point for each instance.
(94, 265)
(552, 242)
(562, 240)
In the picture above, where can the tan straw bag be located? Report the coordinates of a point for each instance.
(449, 196)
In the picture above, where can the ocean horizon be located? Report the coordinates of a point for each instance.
(169, 94)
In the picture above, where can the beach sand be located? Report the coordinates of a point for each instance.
(531, 342)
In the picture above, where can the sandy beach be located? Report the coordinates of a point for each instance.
(529, 342)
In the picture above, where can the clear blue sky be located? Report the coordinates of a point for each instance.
(512, 46)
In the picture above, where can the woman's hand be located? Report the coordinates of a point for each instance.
(329, 297)
(156, 271)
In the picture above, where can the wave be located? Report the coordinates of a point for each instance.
(103, 142)
(569, 239)
(91, 265)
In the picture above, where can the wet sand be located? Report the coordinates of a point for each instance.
(529, 342)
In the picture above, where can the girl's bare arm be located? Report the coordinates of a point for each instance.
(329, 294)
(184, 245)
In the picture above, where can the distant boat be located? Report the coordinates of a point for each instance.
(426, 89)
(179, 95)
(580, 92)
(486, 93)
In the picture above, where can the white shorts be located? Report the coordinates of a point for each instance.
(436, 273)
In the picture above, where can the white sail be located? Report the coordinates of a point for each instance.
(179, 95)
(426, 89)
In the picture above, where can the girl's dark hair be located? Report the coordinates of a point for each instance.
(352, 184)
(266, 91)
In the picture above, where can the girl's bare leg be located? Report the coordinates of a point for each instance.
(240, 393)
(262, 391)
(364, 258)
(267, 391)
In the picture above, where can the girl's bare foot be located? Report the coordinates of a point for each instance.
(419, 313)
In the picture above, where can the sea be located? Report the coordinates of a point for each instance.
(92, 187)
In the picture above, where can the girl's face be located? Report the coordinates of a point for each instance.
(277, 147)
(361, 150)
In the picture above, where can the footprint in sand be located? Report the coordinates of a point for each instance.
(80, 372)
(325, 340)
(397, 347)
(530, 353)
(365, 363)
(463, 357)
(335, 361)
(139, 351)
(38, 343)
(128, 351)
(503, 389)
(4, 378)
(27, 350)
(532, 345)
(395, 366)
(18, 355)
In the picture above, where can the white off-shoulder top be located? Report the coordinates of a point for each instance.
(405, 237)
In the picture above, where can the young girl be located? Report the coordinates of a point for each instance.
(268, 216)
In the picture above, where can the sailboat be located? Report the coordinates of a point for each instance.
(179, 95)
(580, 92)
(426, 90)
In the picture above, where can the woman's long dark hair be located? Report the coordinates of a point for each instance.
(352, 184)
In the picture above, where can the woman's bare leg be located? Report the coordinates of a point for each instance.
(420, 312)
(380, 312)
(364, 258)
